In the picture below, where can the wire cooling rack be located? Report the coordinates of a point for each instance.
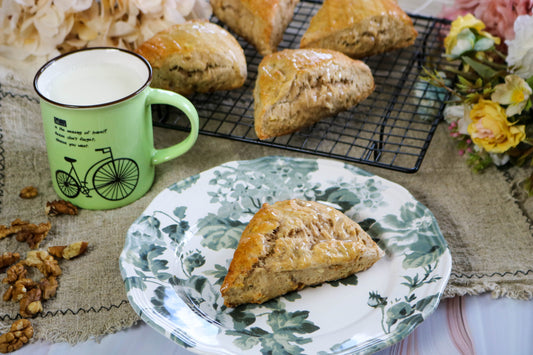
(392, 128)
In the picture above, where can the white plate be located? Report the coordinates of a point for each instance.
(178, 251)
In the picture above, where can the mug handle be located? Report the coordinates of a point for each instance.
(159, 96)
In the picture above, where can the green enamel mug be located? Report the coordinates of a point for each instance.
(97, 119)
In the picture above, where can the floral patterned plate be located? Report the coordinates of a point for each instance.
(178, 251)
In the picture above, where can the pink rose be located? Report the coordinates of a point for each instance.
(498, 15)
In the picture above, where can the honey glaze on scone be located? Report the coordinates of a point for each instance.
(293, 244)
(296, 88)
(261, 23)
(195, 56)
(359, 28)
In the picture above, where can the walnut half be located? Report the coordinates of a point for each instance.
(8, 259)
(20, 333)
(31, 304)
(58, 207)
(28, 192)
(68, 251)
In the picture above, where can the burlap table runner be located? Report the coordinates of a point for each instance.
(483, 217)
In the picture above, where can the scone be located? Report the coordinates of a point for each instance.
(260, 22)
(359, 28)
(196, 56)
(298, 87)
(293, 244)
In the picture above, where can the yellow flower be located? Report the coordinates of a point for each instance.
(514, 92)
(491, 130)
(465, 22)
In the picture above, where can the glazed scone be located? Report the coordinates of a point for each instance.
(359, 28)
(298, 87)
(196, 56)
(260, 22)
(293, 244)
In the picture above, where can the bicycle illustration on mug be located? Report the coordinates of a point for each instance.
(113, 179)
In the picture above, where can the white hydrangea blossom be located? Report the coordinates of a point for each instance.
(520, 49)
(43, 28)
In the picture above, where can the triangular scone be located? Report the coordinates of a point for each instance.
(293, 244)
(296, 88)
(359, 28)
(260, 22)
(195, 56)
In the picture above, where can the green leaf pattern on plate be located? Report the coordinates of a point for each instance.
(171, 263)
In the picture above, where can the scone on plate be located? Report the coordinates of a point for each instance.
(196, 56)
(296, 88)
(293, 244)
(260, 22)
(359, 28)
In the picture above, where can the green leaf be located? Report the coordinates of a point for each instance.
(176, 232)
(483, 70)
(349, 280)
(158, 265)
(134, 282)
(343, 197)
(219, 273)
(367, 224)
(150, 226)
(180, 212)
(294, 321)
(145, 255)
(192, 260)
(409, 323)
(426, 301)
(292, 296)
(244, 342)
(183, 185)
(422, 256)
(280, 343)
(397, 312)
(220, 233)
(242, 318)
(530, 82)
(198, 283)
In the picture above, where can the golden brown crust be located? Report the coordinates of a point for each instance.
(292, 244)
(298, 87)
(260, 22)
(196, 56)
(360, 28)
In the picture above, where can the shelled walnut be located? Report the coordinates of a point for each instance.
(15, 272)
(20, 333)
(68, 251)
(28, 192)
(27, 292)
(8, 259)
(48, 286)
(58, 207)
(31, 304)
(43, 261)
(24, 231)
(19, 289)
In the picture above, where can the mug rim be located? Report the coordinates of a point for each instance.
(61, 56)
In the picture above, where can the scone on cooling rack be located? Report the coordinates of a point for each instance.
(359, 28)
(196, 56)
(293, 244)
(260, 22)
(296, 88)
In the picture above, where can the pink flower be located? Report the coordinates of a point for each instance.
(498, 15)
